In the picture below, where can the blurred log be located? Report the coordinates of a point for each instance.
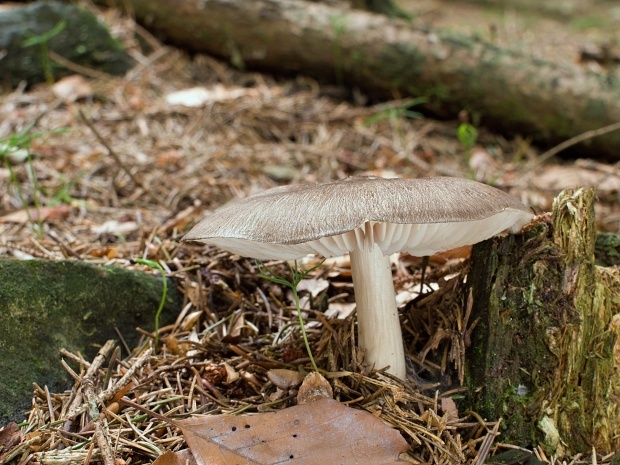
(386, 7)
(391, 57)
(545, 355)
(558, 9)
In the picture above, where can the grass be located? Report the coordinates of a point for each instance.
(296, 276)
(164, 292)
(42, 40)
(12, 150)
(15, 150)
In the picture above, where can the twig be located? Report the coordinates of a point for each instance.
(483, 452)
(100, 430)
(93, 73)
(109, 149)
(112, 391)
(542, 158)
(122, 340)
(577, 139)
(103, 353)
(91, 398)
(126, 379)
(150, 413)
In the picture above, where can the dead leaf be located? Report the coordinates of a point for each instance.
(281, 173)
(58, 212)
(285, 379)
(182, 457)
(72, 88)
(448, 407)
(556, 178)
(199, 96)
(233, 333)
(232, 375)
(407, 295)
(10, 436)
(115, 227)
(14, 155)
(171, 157)
(314, 387)
(107, 251)
(483, 164)
(317, 433)
(313, 286)
(340, 310)
(190, 320)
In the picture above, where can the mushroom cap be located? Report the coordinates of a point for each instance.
(419, 216)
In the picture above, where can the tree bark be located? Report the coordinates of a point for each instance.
(545, 355)
(384, 56)
(386, 7)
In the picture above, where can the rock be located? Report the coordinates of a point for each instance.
(48, 305)
(82, 40)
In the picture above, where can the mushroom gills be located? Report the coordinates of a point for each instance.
(416, 239)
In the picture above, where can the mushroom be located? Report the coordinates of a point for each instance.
(371, 218)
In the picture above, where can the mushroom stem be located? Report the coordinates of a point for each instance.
(378, 325)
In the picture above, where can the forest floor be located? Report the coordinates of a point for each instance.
(120, 168)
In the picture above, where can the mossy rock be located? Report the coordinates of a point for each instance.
(49, 305)
(77, 36)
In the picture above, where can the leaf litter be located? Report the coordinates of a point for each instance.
(324, 431)
(132, 172)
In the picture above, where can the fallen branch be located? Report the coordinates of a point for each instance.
(546, 101)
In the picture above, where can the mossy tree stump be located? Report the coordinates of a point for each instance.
(545, 354)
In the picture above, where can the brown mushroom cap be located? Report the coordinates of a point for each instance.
(419, 216)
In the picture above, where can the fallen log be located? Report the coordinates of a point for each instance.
(385, 56)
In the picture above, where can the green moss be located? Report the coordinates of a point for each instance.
(585, 22)
(83, 40)
(397, 72)
(509, 339)
(549, 323)
(51, 305)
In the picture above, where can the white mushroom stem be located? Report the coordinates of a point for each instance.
(378, 325)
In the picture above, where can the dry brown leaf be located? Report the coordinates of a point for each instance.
(10, 435)
(556, 178)
(58, 212)
(72, 88)
(483, 164)
(448, 406)
(190, 320)
(340, 310)
(314, 387)
(316, 433)
(233, 334)
(182, 457)
(232, 375)
(285, 379)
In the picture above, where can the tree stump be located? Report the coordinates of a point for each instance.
(545, 355)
